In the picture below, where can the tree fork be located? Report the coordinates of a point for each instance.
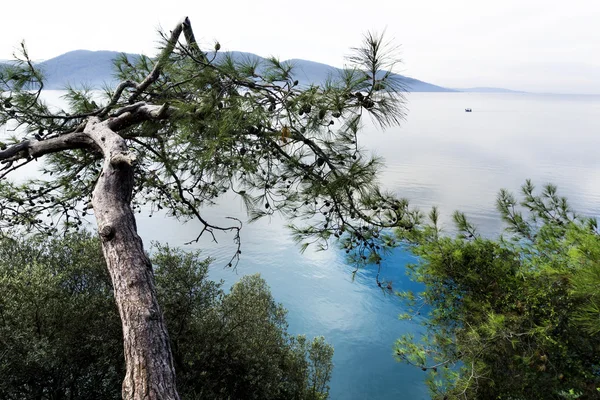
(149, 362)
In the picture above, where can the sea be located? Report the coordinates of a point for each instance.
(439, 156)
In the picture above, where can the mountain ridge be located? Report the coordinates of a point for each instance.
(94, 69)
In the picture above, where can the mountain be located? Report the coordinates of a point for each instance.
(80, 67)
(488, 90)
(415, 85)
(95, 68)
(313, 72)
(308, 72)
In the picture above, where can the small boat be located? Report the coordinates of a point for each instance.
(468, 110)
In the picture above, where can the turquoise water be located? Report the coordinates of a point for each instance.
(357, 317)
(439, 156)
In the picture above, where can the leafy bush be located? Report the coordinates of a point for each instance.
(60, 333)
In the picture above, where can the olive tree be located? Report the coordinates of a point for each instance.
(177, 132)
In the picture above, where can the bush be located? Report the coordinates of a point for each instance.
(60, 333)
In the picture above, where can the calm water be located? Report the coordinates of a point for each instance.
(440, 156)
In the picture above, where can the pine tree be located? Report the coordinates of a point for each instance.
(178, 132)
(514, 317)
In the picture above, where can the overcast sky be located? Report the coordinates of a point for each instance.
(532, 45)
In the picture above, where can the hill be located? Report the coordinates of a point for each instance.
(314, 72)
(95, 68)
(80, 67)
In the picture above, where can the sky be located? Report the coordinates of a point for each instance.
(543, 46)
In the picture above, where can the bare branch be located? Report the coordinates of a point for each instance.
(37, 148)
(116, 96)
(135, 115)
(189, 33)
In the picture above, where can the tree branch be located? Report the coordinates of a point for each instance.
(116, 96)
(125, 117)
(141, 112)
(184, 26)
(38, 148)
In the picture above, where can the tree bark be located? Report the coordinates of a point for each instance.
(150, 372)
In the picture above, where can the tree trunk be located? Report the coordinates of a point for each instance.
(149, 362)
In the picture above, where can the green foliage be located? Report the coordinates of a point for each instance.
(60, 335)
(241, 126)
(59, 325)
(512, 318)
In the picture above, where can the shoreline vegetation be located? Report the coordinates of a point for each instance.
(61, 334)
(516, 317)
